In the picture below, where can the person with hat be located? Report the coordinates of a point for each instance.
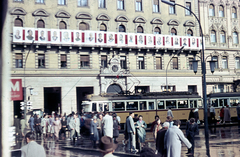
(107, 146)
(160, 140)
(94, 131)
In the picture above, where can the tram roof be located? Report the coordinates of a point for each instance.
(149, 95)
(216, 95)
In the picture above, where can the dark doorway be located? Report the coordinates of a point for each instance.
(52, 100)
(81, 93)
(17, 109)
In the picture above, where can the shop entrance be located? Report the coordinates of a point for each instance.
(52, 99)
(81, 93)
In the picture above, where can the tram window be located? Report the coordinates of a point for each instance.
(151, 105)
(94, 107)
(215, 103)
(234, 101)
(118, 106)
(171, 104)
(143, 105)
(193, 103)
(183, 104)
(160, 104)
(132, 105)
(106, 106)
(100, 107)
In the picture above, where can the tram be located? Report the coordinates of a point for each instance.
(146, 104)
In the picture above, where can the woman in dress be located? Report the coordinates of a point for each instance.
(141, 125)
(115, 128)
(44, 126)
(64, 126)
(50, 126)
(94, 132)
(157, 127)
(57, 127)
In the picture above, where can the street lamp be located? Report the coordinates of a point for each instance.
(203, 78)
(195, 65)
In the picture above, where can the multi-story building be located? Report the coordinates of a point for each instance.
(84, 47)
(220, 22)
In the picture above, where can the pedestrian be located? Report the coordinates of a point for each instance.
(38, 127)
(57, 127)
(68, 122)
(50, 126)
(125, 133)
(82, 123)
(64, 127)
(131, 133)
(44, 126)
(75, 128)
(191, 114)
(23, 125)
(196, 116)
(32, 149)
(238, 113)
(147, 152)
(173, 138)
(31, 123)
(161, 151)
(169, 112)
(94, 132)
(212, 114)
(107, 146)
(115, 129)
(107, 125)
(227, 115)
(157, 127)
(221, 114)
(141, 126)
(99, 126)
(191, 131)
(17, 125)
(154, 123)
(170, 121)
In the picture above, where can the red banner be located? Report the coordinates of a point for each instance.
(16, 89)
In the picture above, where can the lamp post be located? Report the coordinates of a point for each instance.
(203, 78)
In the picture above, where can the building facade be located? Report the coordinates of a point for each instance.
(61, 73)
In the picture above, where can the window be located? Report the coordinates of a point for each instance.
(62, 25)
(221, 88)
(121, 28)
(118, 106)
(189, 32)
(188, 5)
(18, 22)
(215, 58)
(83, 26)
(41, 61)
(123, 62)
(222, 37)
(235, 37)
(82, 3)
(61, 2)
(132, 105)
(143, 105)
(63, 60)
(211, 10)
(173, 31)
(192, 88)
(237, 62)
(18, 60)
(224, 62)
(84, 61)
(172, 9)
(138, 5)
(157, 30)
(139, 29)
(213, 36)
(102, 4)
(103, 27)
(234, 12)
(158, 63)
(18, 0)
(39, 1)
(104, 61)
(40, 24)
(190, 63)
(156, 6)
(120, 4)
(175, 62)
(141, 62)
(221, 11)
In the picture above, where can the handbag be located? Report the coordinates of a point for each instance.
(198, 121)
(119, 127)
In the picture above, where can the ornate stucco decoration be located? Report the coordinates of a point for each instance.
(121, 18)
(139, 19)
(157, 21)
(103, 17)
(83, 15)
(173, 22)
(18, 11)
(62, 14)
(40, 12)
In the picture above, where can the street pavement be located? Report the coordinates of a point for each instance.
(224, 141)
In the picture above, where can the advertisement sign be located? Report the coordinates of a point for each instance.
(16, 89)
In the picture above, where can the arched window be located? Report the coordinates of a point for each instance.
(234, 12)
(173, 31)
(114, 88)
(139, 29)
(157, 30)
(222, 37)
(189, 32)
(211, 10)
(221, 11)
(83, 26)
(18, 22)
(40, 24)
(103, 27)
(213, 36)
(62, 25)
(235, 38)
(121, 28)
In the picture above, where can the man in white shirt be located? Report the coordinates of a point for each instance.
(107, 125)
(212, 114)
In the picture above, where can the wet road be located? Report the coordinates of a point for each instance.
(223, 141)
